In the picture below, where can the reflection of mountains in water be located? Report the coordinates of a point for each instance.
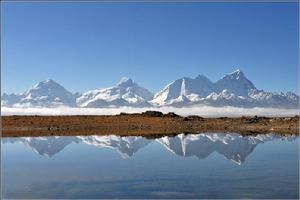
(233, 146)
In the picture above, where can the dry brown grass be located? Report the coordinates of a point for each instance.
(145, 125)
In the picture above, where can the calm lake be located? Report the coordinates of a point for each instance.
(212, 165)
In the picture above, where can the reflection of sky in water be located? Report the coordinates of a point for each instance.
(185, 166)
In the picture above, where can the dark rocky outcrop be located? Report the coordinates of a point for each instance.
(150, 113)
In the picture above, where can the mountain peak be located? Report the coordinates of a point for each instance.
(237, 74)
(49, 80)
(236, 82)
(237, 71)
(202, 77)
(45, 83)
(125, 82)
(125, 93)
(47, 93)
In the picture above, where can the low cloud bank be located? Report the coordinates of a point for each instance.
(205, 111)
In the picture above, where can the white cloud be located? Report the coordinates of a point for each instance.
(205, 111)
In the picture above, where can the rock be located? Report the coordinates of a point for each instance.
(152, 114)
(192, 117)
(255, 119)
(171, 114)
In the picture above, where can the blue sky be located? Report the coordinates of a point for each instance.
(91, 45)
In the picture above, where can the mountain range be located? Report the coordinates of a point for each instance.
(232, 146)
(233, 89)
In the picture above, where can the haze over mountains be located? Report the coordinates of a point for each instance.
(233, 89)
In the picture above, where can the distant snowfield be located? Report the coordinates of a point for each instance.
(205, 111)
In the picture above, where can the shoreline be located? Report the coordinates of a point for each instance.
(204, 111)
(149, 124)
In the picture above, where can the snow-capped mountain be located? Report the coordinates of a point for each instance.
(235, 83)
(184, 90)
(232, 146)
(125, 93)
(46, 93)
(10, 99)
(187, 90)
(233, 89)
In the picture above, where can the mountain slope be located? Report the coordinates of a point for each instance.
(199, 88)
(125, 93)
(10, 99)
(233, 89)
(46, 93)
(184, 90)
(236, 83)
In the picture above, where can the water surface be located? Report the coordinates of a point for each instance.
(212, 165)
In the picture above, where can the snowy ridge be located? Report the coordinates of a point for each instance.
(46, 93)
(233, 90)
(125, 93)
